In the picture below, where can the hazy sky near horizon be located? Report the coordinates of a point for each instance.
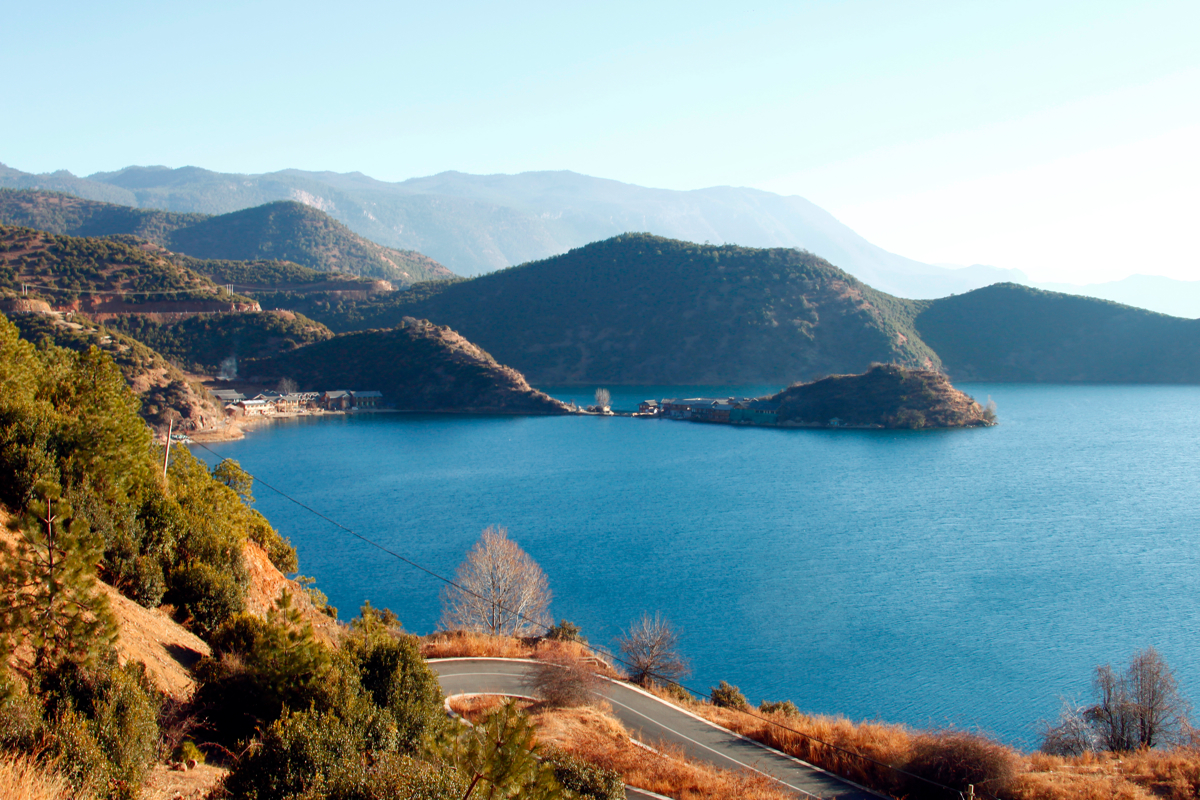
(1056, 138)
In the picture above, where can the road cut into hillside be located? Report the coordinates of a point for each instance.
(653, 721)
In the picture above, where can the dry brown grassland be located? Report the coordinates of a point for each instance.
(594, 735)
(1170, 774)
(1165, 774)
(23, 778)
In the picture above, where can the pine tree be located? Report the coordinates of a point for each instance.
(500, 758)
(49, 577)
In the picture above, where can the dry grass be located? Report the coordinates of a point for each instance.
(598, 738)
(468, 644)
(465, 644)
(1161, 774)
(22, 778)
(595, 736)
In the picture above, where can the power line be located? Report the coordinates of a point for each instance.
(590, 647)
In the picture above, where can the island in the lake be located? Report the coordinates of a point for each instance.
(885, 396)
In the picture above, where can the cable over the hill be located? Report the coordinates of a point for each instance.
(592, 648)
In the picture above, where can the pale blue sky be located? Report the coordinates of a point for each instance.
(1017, 134)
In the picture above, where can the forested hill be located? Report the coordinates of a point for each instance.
(1009, 332)
(103, 275)
(418, 367)
(282, 231)
(643, 309)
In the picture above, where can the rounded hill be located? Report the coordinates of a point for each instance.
(643, 309)
(885, 396)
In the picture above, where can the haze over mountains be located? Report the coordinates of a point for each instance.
(478, 223)
(280, 231)
(474, 224)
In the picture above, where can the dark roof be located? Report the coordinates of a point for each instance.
(371, 393)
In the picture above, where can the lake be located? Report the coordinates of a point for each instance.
(964, 577)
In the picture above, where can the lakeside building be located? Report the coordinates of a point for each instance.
(255, 407)
(724, 410)
(337, 400)
(369, 399)
(271, 402)
(227, 396)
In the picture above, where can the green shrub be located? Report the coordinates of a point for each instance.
(83, 760)
(582, 778)
(205, 597)
(728, 696)
(257, 668)
(187, 751)
(299, 749)
(566, 632)
(391, 776)
(396, 678)
(103, 720)
(786, 707)
(21, 725)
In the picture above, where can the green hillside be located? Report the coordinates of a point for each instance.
(164, 390)
(280, 231)
(417, 367)
(91, 274)
(287, 231)
(1009, 332)
(643, 309)
(201, 343)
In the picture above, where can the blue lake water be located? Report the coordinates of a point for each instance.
(965, 577)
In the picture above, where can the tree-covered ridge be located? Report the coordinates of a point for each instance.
(166, 393)
(257, 276)
(1009, 332)
(289, 231)
(417, 367)
(280, 231)
(62, 269)
(201, 343)
(643, 309)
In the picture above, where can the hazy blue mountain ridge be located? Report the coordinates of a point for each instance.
(275, 231)
(477, 223)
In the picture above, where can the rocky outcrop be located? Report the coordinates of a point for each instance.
(885, 396)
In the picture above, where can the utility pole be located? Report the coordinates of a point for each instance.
(167, 450)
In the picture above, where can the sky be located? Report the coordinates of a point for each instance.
(1055, 138)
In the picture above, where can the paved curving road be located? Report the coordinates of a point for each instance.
(653, 721)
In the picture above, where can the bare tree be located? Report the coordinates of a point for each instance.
(1140, 708)
(564, 680)
(650, 646)
(603, 399)
(1159, 710)
(503, 591)
(1072, 735)
(286, 386)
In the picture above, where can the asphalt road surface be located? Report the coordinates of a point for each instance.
(653, 721)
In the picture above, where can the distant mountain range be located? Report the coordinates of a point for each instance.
(478, 223)
(279, 231)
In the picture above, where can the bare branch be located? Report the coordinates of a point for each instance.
(504, 592)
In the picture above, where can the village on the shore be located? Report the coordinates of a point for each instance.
(270, 403)
(728, 410)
